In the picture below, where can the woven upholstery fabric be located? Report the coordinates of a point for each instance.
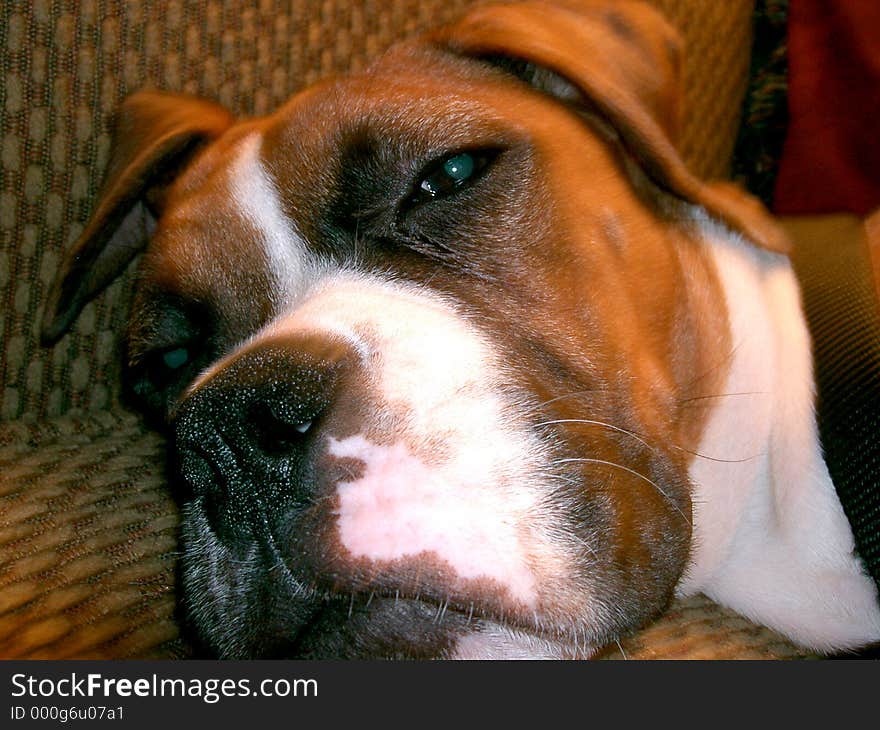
(67, 64)
(717, 42)
(697, 628)
(87, 553)
(88, 534)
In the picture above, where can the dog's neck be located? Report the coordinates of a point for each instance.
(767, 520)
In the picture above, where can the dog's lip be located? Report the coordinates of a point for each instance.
(471, 619)
(442, 606)
(498, 634)
(359, 599)
(465, 618)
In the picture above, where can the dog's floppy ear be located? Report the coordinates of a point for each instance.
(622, 60)
(155, 133)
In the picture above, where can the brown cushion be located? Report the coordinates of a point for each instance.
(87, 541)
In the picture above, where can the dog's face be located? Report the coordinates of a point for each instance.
(427, 349)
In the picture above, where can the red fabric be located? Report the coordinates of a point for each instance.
(831, 157)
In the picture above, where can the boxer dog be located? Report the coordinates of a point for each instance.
(460, 360)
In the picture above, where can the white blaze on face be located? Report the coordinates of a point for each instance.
(445, 470)
(256, 198)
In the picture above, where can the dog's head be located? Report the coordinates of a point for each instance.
(429, 339)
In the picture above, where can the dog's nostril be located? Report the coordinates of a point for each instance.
(277, 433)
(252, 426)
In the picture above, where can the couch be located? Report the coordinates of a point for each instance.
(87, 523)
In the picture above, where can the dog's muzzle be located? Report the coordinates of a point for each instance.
(264, 573)
(246, 444)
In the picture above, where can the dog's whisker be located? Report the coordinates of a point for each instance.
(441, 612)
(573, 394)
(603, 424)
(713, 368)
(721, 395)
(589, 548)
(589, 422)
(603, 462)
(718, 459)
(427, 282)
(562, 478)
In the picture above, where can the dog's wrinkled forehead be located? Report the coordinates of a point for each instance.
(615, 63)
(270, 203)
(440, 100)
(318, 149)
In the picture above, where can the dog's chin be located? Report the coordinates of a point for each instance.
(378, 627)
(390, 628)
(242, 604)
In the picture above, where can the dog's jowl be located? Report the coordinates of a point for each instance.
(448, 351)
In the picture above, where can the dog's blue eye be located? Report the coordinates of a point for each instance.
(460, 167)
(175, 359)
(451, 173)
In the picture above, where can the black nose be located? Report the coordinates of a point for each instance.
(245, 435)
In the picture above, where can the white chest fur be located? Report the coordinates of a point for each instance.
(770, 537)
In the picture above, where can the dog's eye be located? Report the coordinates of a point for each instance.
(161, 367)
(176, 358)
(167, 361)
(451, 173)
